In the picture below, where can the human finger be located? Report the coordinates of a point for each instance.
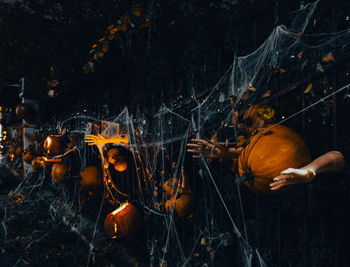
(195, 145)
(217, 144)
(194, 151)
(201, 141)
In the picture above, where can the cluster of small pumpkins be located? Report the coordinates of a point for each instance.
(12, 143)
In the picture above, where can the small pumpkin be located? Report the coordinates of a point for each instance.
(23, 111)
(91, 178)
(28, 157)
(122, 222)
(54, 144)
(183, 201)
(269, 153)
(59, 172)
(183, 206)
(116, 157)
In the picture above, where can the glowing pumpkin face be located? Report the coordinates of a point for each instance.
(122, 222)
(54, 144)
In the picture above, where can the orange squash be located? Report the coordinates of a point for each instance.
(269, 153)
(183, 206)
(91, 178)
(54, 144)
(183, 202)
(122, 222)
(59, 172)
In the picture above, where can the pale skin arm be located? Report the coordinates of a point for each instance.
(211, 150)
(330, 162)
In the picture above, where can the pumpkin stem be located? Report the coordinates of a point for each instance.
(245, 177)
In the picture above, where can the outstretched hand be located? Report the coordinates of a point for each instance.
(95, 139)
(211, 150)
(292, 176)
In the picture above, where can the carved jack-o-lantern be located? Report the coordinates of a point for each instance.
(122, 222)
(59, 172)
(54, 144)
(269, 153)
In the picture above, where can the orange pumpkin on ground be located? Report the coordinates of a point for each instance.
(59, 172)
(28, 157)
(183, 202)
(91, 178)
(183, 206)
(122, 222)
(268, 153)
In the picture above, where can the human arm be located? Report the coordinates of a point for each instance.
(211, 149)
(330, 162)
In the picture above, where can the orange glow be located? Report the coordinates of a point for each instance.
(49, 141)
(122, 206)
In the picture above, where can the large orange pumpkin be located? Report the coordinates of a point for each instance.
(122, 222)
(59, 172)
(54, 144)
(269, 153)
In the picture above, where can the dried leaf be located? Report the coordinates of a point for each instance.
(298, 35)
(300, 54)
(110, 27)
(195, 254)
(137, 12)
(328, 58)
(246, 95)
(123, 28)
(266, 94)
(308, 88)
(319, 68)
(304, 64)
(282, 70)
(113, 31)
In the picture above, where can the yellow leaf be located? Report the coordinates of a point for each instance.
(94, 45)
(328, 58)
(252, 89)
(319, 68)
(347, 95)
(308, 88)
